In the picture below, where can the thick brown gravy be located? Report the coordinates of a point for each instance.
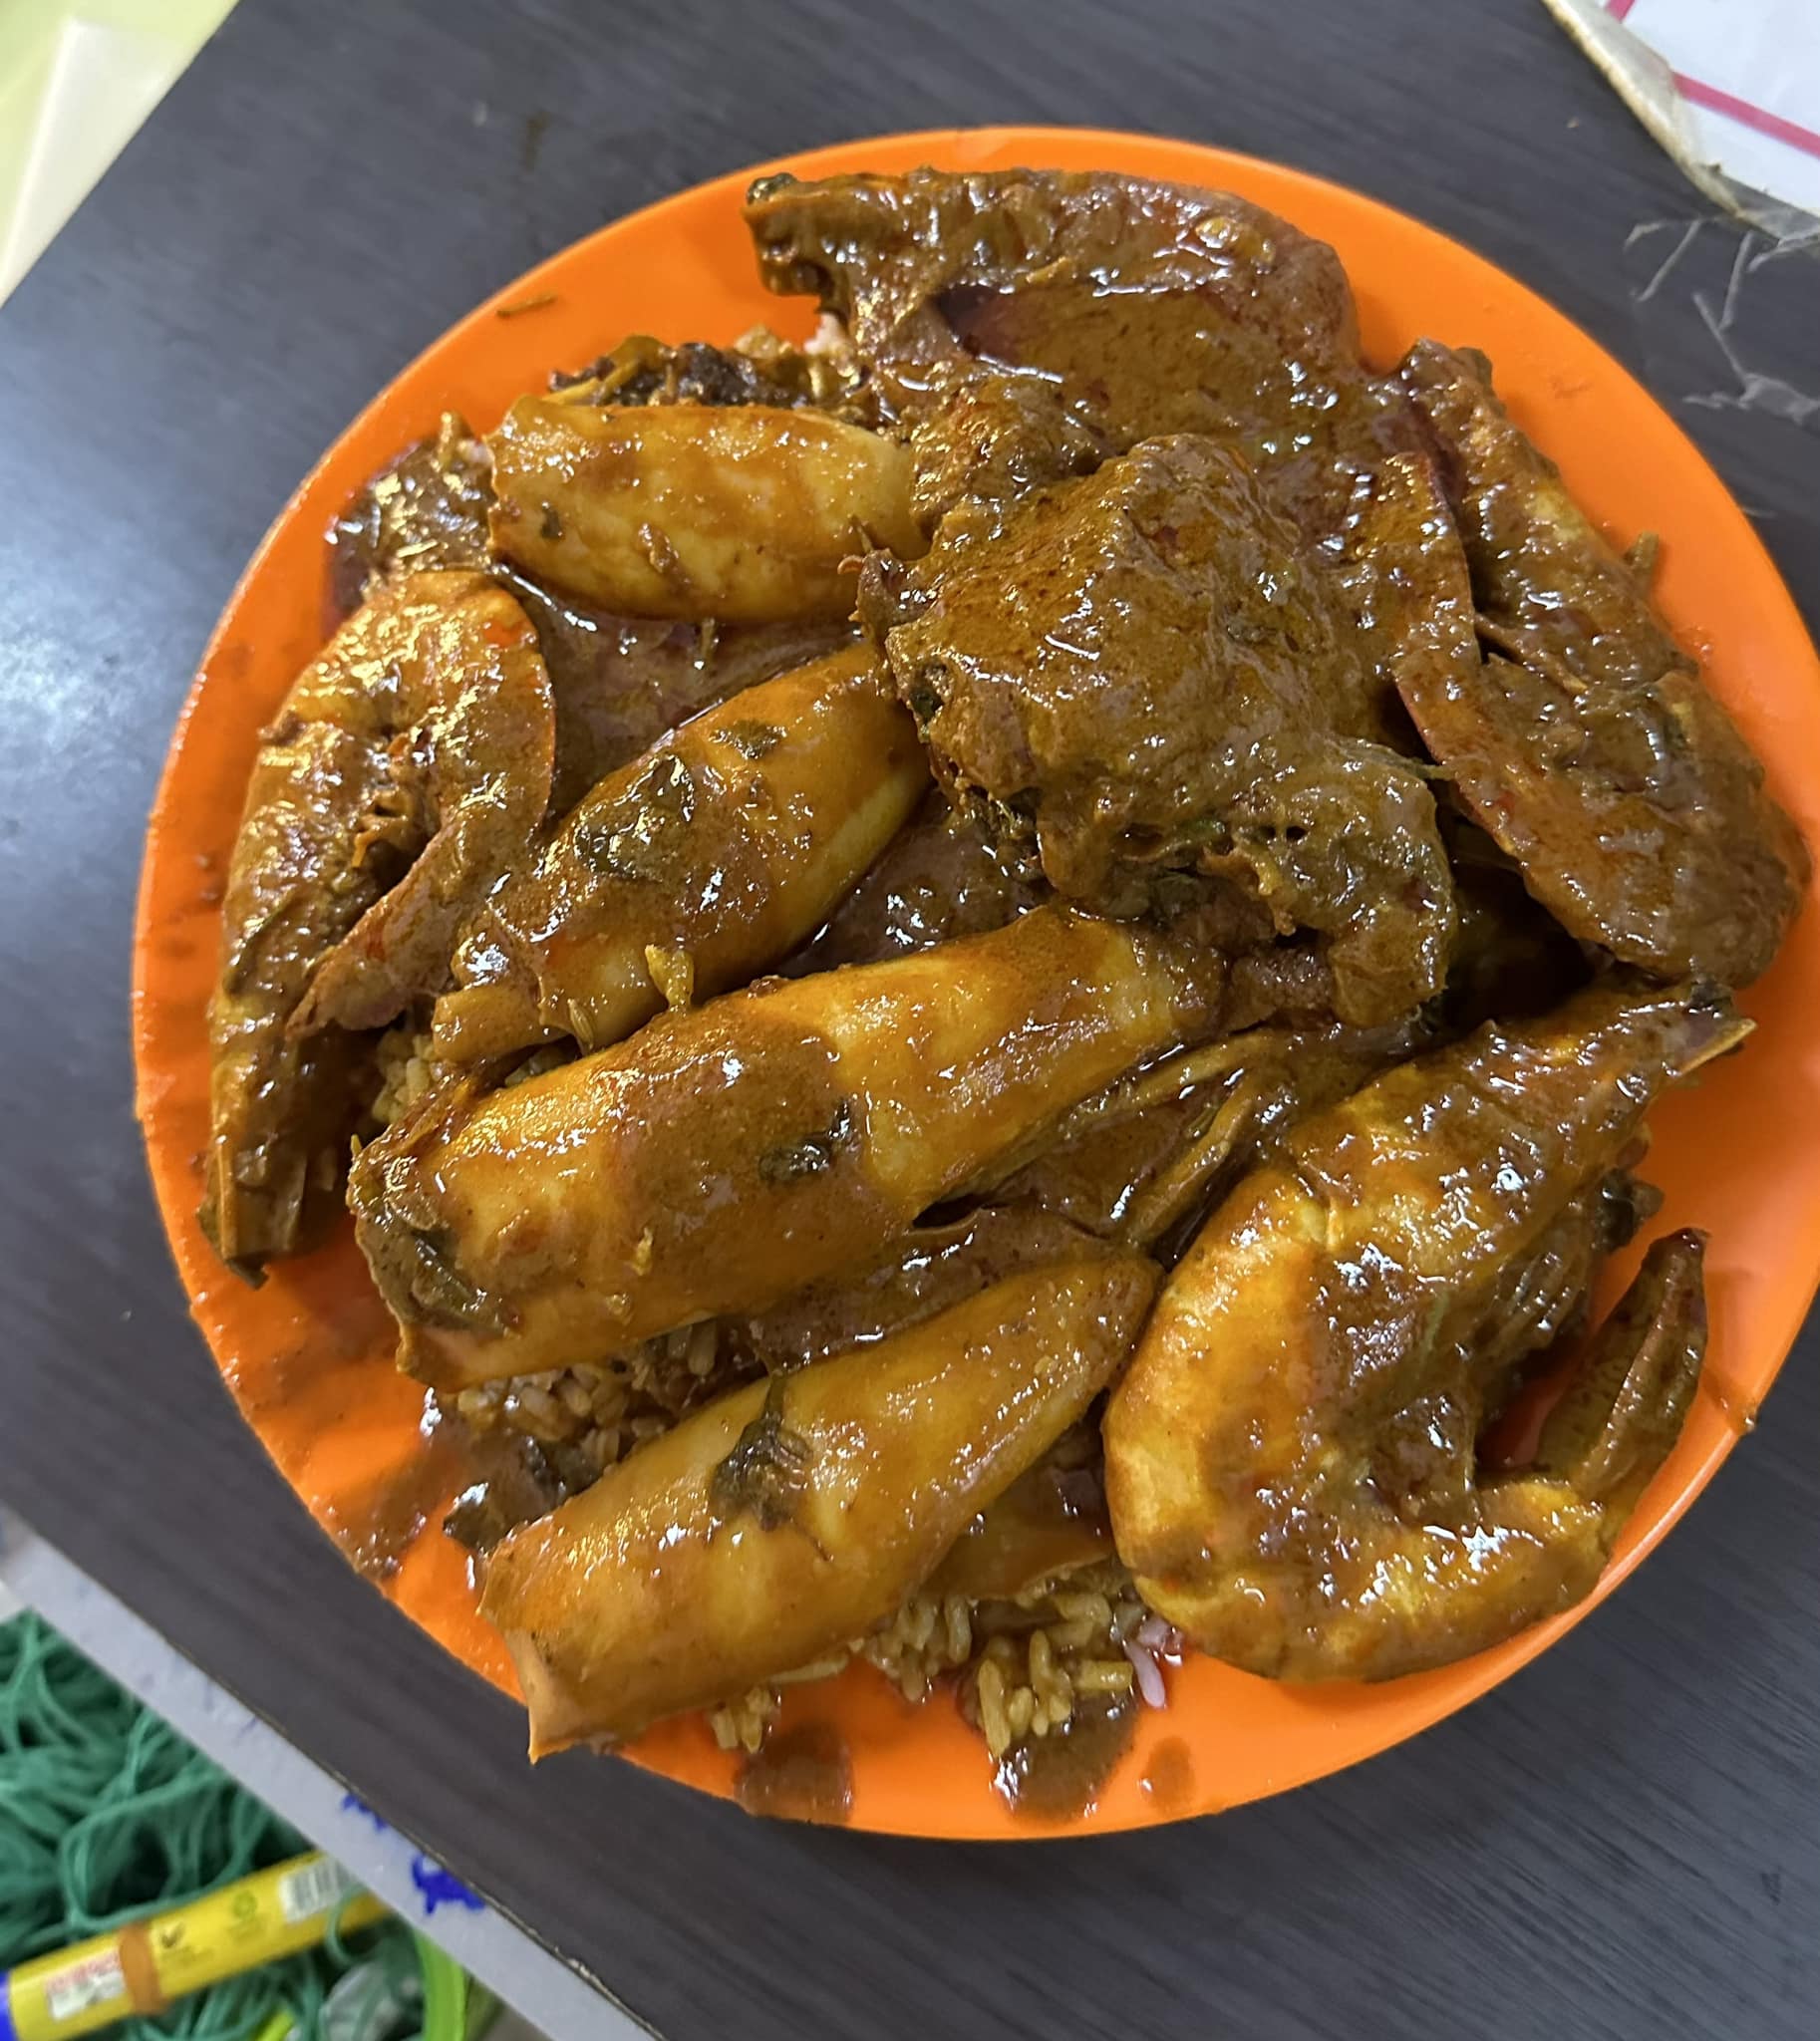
(1168, 1780)
(803, 1774)
(380, 1522)
(1060, 1776)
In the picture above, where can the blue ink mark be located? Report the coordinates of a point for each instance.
(351, 1802)
(440, 1887)
(436, 1886)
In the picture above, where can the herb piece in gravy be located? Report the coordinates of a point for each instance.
(767, 1469)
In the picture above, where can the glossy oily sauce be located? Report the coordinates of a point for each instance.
(1169, 1779)
(1058, 1777)
(605, 1257)
(803, 1774)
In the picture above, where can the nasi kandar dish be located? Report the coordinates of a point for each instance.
(994, 984)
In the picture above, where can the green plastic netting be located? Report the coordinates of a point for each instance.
(107, 1814)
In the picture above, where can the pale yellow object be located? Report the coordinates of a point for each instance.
(745, 513)
(75, 83)
(142, 1966)
(782, 1520)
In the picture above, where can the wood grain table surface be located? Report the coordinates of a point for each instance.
(1623, 1840)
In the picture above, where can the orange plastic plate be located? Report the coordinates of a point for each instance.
(308, 1357)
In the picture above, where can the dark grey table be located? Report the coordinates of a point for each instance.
(1623, 1841)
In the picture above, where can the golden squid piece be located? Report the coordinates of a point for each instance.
(1050, 1523)
(779, 1524)
(1291, 1458)
(747, 513)
(698, 866)
(406, 770)
(1587, 743)
(724, 1157)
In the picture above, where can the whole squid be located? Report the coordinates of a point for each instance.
(789, 1518)
(701, 863)
(724, 1157)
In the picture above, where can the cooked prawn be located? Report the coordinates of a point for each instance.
(1587, 743)
(1291, 1457)
(406, 770)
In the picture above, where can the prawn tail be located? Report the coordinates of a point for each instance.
(1622, 1413)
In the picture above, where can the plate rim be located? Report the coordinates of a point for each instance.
(1460, 1683)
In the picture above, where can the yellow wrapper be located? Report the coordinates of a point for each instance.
(141, 1968)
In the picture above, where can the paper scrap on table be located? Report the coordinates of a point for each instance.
(1729, 88)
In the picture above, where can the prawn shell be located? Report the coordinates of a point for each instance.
(1330, 1293)
(407, 766)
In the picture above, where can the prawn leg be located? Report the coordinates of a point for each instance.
(1620, 1417)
